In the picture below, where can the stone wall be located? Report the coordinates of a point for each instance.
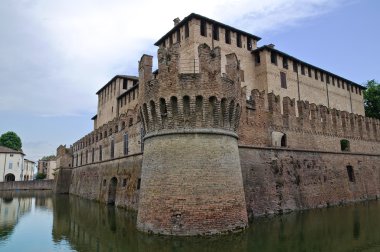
(27, 185)
(94, 181)
(281, 180)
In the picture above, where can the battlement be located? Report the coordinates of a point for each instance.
(170, 99)
(302, 116)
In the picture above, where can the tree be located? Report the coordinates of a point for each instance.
(11, 140)
(40, 176)
(372, 99)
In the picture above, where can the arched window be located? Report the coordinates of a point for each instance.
(344, 145)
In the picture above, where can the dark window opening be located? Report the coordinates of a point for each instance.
(178, 35)
(249, 44)
(171, 39)
(285, 63)
(203, 28)
(348, 87)
(333, 81)
(309, 71)
(124, 182)
(138, 183)
(227, 37)
(316, 74)
(257, 57)
(130, 122)
(273, 58)
(283, 80)
(295, 67)
(104, 182)
(344, 145)
(93, 155)
(125, 83)
(126, 143)
(112, 148)
(322, 77)
(215, 32)
(342, 85)
(302, 69)
(186, 30)
(338, 83)
(327, 79)
(100, 153)
(350, 173)
(283, 140)
(238, 40)
(360, 91)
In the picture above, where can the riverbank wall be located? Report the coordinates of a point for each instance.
(27, 185)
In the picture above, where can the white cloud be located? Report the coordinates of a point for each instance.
(57, 54)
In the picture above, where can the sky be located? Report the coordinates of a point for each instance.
(55, 55)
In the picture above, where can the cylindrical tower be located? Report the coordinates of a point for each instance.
(191, 182)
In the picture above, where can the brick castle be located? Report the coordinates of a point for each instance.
(224, 131)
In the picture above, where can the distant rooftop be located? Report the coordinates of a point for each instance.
(4, 149)
(197, 16)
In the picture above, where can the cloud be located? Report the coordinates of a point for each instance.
(57, 54)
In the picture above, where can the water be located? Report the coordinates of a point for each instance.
(41, 221)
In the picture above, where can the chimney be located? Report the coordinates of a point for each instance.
(271, 45)
(176, 21)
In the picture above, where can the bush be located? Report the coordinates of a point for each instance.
(41, 176)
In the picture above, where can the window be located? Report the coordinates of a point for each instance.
(333, 81)
(283, 140)
(249, 44)
(309, 71)
(11, 155)
(130, 122)
(322, 77)
(302, 69)
(171, 39)
(104, 182)
(186, 30)
(350, 173)
(295, 67)
(327, 79)
(124, 182)
(100, 153)
(142, 133)
(348, 87)
(285, 62)
(352, 88)
(257, 58)
(126, 144)
(10, 166)
(338, 83)
(203, 28)
(360, 91)
(344, 145)
(342, 85)
(138, 183)
(227, 36)
(273, 57)
(125, 83)
(93, 155)
(215, 32)
(86, 156)
(316, 74)
(112, 148)
(283, 80)
(238, 40)
(178, 35)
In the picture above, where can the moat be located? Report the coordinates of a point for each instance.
(42, 221)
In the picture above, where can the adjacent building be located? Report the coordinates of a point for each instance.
(11, 164)
(47, 166)
(28, 172)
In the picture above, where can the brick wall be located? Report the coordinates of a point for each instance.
(27, 185)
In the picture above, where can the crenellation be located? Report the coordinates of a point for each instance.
(289, 113)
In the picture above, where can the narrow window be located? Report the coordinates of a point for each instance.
(238, 40)
(171, 40)
(142, 133)
(316, 74)
(348, 87)
(138, 183)
(283, 80)
(302, 69)
(322, 77)
(249, 44)
(352, 88)
(203, 28)
(257, 58)
(10, 166)
(309, 71)
(126, 144)
(104, 182)
(93, 155)
(344, 145)
(186, 30)
(125, 83)
(283, 140)
(86, 156)
(215, 32)
(273, 57)
(285, 62)
(295, 67)
(164, 43)
(112, 148)
(333, 81)
(133, 95)
(227, 36)
(360, 91)
(124, 182)
(327, 79)
(342, 85)
(338, 81)
(100, 153)
(350, 173)
(178, 35)
(356, 90)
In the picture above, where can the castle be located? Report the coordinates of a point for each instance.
(224, 131)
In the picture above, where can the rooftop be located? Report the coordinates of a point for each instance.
(129, 77)
(4, 149)
(197, 16)
(270, 48)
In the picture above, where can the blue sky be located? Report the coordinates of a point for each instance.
(55, 54)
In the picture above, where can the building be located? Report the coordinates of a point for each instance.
(11, 164)
(28, 172)
(225, 130)
(47, 166)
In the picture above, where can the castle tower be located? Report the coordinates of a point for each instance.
(191, 180)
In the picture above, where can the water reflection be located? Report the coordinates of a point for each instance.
(83, 225)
